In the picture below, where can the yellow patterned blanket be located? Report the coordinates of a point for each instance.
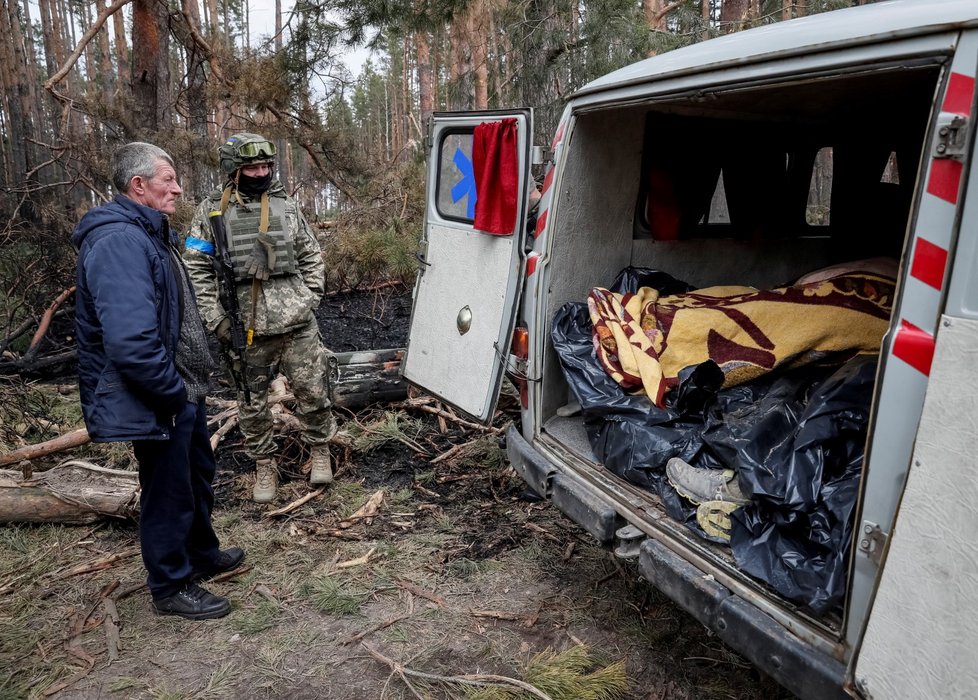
(643, 340)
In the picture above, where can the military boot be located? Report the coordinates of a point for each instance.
(266, 480)
(320, 469)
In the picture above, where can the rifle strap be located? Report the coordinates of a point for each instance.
(225, 199)
(263, 221)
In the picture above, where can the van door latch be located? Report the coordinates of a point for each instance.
(952, 136)
(871, 541)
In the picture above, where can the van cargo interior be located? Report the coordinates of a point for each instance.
(750, 185)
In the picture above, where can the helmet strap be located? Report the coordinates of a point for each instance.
(237, 193)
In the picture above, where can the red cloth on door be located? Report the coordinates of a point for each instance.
(495, 162)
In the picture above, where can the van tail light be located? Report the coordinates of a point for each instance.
(520, 354)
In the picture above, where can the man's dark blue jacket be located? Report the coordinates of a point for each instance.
(128, 309)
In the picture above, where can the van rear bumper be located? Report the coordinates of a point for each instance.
(795, 664)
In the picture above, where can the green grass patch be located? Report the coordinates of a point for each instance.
(125, 683)
(258, 619)
(568, 675)
(334, 597)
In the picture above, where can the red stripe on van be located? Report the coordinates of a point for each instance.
(559, 136)
(531, 263)
(541, 221)
(915, 347)
(548, 179)
(945, 177)
(960, 94)
(929, 263)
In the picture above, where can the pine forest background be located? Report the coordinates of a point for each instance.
(79, 78)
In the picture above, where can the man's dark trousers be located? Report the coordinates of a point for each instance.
(175, 475)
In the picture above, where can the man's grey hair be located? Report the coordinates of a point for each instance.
(136, 158)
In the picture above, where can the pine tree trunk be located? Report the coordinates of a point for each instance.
(7, 100)
(477, 48)
(150, 67)
(732, 15)
(426, 92)
(107, 77)
(456, 58)
(197, 112)
(15, 88)
(284, 159)
(121, 47)
(37, 109)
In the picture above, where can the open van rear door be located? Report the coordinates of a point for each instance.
(920, 637)
(468, 287)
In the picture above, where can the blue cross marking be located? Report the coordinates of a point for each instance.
(465, 186)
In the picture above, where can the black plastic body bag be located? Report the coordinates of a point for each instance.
(796, 439)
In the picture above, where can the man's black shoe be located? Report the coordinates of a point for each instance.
(227, 560)
(193, 603)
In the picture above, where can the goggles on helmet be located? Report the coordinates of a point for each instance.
(254, 149)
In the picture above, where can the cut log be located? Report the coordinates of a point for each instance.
(68, 494)
(370, 376)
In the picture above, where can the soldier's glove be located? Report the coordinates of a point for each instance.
(223, 330)
(261, 262)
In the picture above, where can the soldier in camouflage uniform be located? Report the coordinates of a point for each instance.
(279, 278)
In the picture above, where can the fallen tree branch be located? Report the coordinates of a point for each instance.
(75, 438)
(111, 625)
(294, 504)
(228, 426)
(99, 564)
(45, 322)
(475, 679)
(449, 416)
(419, 591)
(376, 628)
(367, 511)
(359, 561)
(497, 615)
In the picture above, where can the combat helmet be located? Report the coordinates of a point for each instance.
(245, 149)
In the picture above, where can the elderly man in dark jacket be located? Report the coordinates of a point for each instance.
(143, 369)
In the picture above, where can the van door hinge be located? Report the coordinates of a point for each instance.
(952, 136)
(871, 541)
(429, 134)
(541, 155)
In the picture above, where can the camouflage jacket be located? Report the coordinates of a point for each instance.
(283, 302)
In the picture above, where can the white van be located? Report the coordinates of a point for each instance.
(748, 160)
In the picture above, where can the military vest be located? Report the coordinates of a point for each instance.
(242, 225)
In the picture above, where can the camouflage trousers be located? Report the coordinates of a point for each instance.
(301, 357)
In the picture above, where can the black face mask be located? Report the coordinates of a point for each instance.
(253, 186)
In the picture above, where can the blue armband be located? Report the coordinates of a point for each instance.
(200, 245)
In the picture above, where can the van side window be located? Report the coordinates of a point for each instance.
(719, 213)
(738, 176)
(456, 179)
(818, 210)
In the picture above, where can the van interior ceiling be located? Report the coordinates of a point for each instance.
(752, 185)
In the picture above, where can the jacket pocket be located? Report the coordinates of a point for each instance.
(117, 411)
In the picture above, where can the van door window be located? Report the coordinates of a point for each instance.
(456, 179)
